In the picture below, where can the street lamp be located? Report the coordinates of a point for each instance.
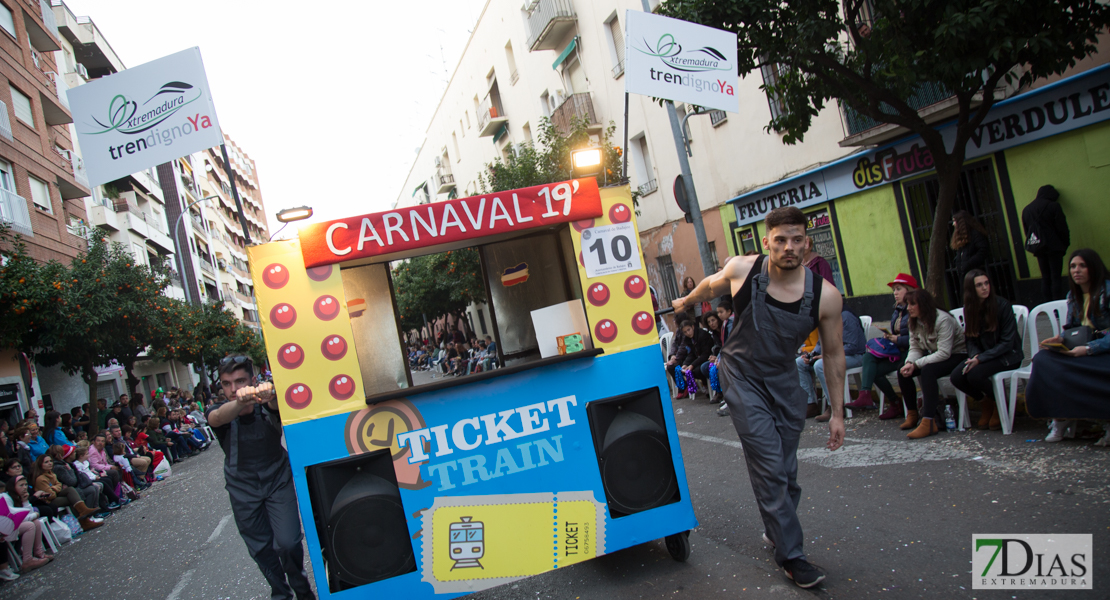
(586, 162)
(299, 213)
(288, 215)
(177, 240)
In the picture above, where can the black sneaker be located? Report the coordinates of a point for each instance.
(804, 574)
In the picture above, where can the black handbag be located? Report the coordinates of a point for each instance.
(1076, 336)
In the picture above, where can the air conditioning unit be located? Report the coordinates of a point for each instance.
(82, 71)
(439, 162)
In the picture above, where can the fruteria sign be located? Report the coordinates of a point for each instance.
(681, 61)
(144, 116)
(447, 222)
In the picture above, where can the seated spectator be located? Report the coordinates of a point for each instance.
(157, 440)
(993, 345)
(21, 438)
(728, 319)
(121, 449)
(64, 471)
(139, 444)
(13, 467)
(699, 346)
(854, 340)
(66, 426)
(138, 409)
(51, 433)
(54, 491)
(108, 497)
(1070, 385)
(676, 356)
(936, 347)
(876, 369)
(712, 324)
(29, 530)
(81, 418)
(182, 442)
(35, 443)
(101, 463)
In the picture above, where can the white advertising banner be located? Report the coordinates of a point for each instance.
(680, 61)
(144, 116)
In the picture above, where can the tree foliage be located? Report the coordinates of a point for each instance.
(437, 284)
(548, 162)
(874, 55)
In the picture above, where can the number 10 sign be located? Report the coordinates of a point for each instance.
(610, 249)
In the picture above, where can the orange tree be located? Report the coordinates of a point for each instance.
(437, 284)
(203, 334)
(24, 291)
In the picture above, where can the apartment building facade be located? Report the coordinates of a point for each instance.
(562, 59)
(41, 183)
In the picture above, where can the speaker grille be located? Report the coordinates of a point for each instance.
(368, 532)
(636, 467)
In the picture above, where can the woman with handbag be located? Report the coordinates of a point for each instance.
(886, 354)
(993, 345)
(1068, 381)
(54, 491)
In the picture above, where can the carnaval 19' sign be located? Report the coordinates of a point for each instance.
(456, 220)
(144, 116)
(681, 61)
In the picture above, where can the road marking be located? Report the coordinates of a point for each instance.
(180, 587)
(861, 452)
(37, 593)
(711, 439)
(219, 529)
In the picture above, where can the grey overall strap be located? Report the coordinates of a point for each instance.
(759, 292)
(807, 298)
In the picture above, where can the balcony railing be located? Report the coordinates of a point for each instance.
(927, 95)
(618, 70)
(48, 18)
(5, 123)
(648, 187)
(577, 106)
(716, 117)
(79, 172)
(207, 267)
(490, 114)
(446, 182)
(13, 210)
(548, 22)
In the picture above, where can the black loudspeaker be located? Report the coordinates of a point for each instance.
(633, 452)
(364, 536)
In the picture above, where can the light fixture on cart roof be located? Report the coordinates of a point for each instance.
(586, 161)
(298, 213)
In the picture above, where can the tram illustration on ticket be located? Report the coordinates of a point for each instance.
(471, 543)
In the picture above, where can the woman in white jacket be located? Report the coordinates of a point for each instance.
(936, 348)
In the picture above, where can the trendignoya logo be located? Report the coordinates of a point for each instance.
(670, 52)
(1024, 561)
(124, 116)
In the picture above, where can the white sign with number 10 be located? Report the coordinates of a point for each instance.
(610, 249)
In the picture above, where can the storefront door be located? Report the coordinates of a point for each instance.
(978, 195)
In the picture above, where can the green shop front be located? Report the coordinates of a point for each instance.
(871, 213)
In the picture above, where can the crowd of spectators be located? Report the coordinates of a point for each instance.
(76, 472)
(925, 345)
(453, 358)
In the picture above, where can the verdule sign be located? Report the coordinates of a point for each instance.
(681, 61)
(430, 225)
(144, 116)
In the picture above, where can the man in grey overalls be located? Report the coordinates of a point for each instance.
(777, 303)
(259, 480)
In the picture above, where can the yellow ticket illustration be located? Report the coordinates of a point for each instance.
(472, 543)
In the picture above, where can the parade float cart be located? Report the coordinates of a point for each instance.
(566, 452)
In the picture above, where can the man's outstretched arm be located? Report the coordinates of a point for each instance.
(831, 328)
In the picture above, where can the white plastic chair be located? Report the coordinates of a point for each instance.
(48, 537)
(866, 322)
(1005, 406)
(1057, 314)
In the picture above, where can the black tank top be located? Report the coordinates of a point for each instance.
(743, 297)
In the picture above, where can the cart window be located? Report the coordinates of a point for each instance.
(514, 300)
(375, 330)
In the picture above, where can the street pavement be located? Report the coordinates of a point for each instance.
(885, 517)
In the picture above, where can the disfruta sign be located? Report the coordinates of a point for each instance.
(456, 220)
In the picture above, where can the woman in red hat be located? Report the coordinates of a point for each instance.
(875, 369)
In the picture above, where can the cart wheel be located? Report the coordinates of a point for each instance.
(679, 545)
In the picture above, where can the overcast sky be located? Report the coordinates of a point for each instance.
(330, 99)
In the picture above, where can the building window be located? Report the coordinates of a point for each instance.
(6, 181)
(455, 143)
(772, 76)
(461, 130)
(512, 63)
(641, 160)
(615, 37)
(466, 113)
(21, 104)
(670, 282)
(713, 256)
(7, 21)
(40, 194)
(545, 103)
(527, 129)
